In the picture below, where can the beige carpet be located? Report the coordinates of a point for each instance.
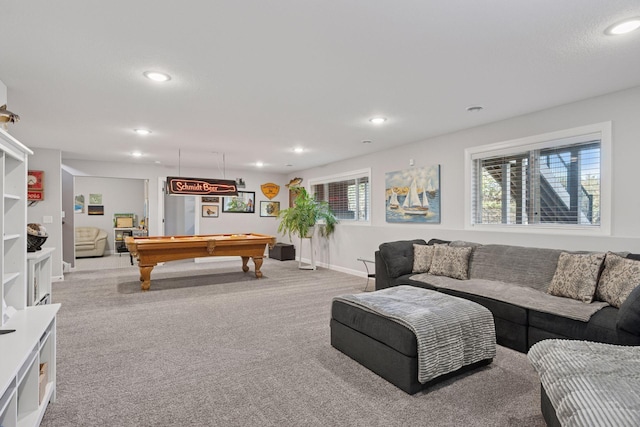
(212, 346)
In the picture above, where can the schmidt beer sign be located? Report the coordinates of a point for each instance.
(201, 186)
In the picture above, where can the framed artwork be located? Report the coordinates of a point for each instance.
(413, 195)
(78, 205)
(268, 208)
(95, 210)
(210, 211)
(95, 199)
(244, 202)
(210, 199)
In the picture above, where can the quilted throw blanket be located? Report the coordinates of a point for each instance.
(589, 383)
(451, 332)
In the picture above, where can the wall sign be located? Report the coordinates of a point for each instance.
(35, 185)
(201, 186)
(270, 190)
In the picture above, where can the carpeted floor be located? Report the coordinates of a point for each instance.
(212, 346)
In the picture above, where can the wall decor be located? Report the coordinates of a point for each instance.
(95, 199)
(201, 186)
(210, 199)
(244, 202)
(78, 205)
(413, 195)
(270, 190)
(35, 185)
(95, 210)
(269, 208)
(210, 211)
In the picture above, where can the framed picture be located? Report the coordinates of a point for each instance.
(244, 202)
(78, 206)
(210, 199)
(210, 211)
(268, 208)
(95, 210)
(413, 195)
(95, 199)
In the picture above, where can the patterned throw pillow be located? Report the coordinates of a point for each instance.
(618, 279)
(422, 255)
(576, 276)
(451, 261)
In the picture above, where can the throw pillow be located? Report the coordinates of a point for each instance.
(422, 255)
(629, 314)
(576, 276)
(451, 261)
(618, 279)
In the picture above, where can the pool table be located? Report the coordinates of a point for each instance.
(149, 251)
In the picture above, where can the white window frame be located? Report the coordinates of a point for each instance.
(546, 140)
(343, 177)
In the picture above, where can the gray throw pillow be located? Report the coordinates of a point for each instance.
(576, 276)
(619, 277)
(451, 261)
(422, 255)
(629, 314)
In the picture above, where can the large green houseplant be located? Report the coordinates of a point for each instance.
(306, 212)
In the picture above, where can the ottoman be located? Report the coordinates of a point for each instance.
(368, 328)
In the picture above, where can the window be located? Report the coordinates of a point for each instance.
(555, 180)
(347, 194)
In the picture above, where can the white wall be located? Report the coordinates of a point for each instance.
(49, 161)
(225, 223)
(119, 195)
(622, 108)
(3, 94)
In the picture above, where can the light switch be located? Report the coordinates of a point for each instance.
(47, 220)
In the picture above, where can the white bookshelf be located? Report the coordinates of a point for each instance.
(24, 395)
(39, 276)
(13, 225)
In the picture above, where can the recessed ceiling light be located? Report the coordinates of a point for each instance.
(259, 164)
(156, 76)
(298, 149)
(623, 27)
(475, 108)
(377, 120)
(136, 154)
(142, 131)
(157, 162)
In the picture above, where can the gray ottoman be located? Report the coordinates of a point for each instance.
(388, 347)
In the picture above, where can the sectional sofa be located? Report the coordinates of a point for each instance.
(533, 293)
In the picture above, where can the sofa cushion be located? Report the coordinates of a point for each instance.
(629, 314)
(451, 261)
(533, 267)
(86, 234)
(576, 276)
(619, 277)
(399, 256)
(422, 256)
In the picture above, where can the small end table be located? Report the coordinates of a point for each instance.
(370, 275)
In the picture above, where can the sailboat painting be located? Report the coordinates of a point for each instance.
(413, 195)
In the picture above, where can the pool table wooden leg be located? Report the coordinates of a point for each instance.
(258, 263)
(145, 277)
(245, 260)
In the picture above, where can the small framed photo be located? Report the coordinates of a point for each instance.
(210, 211)
(95, 210)
(244, 202)
(210, 199)
(269, 208)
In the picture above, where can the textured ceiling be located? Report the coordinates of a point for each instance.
(254, 79)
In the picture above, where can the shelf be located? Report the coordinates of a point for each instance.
(12, 197)
(7, 277)
(8, 237)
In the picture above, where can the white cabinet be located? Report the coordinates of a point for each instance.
(28, 366)
(39, 276)
(13, 225)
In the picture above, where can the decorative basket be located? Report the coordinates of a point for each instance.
(34, 243)
(36, 236)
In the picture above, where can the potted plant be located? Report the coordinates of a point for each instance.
(306, 212)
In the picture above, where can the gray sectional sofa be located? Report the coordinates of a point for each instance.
(513, 282)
